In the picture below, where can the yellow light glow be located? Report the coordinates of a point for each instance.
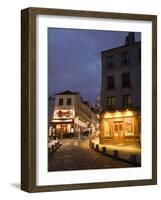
(63, 120)
(116, 114)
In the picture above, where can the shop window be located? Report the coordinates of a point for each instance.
(116, 127)
(120, 127)
(128, 127)
(110, 128)
(107, 128)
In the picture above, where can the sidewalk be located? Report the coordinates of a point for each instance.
(126, 153)
(53, 145)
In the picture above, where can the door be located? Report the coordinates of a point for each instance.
(64, 128)
(118, 136)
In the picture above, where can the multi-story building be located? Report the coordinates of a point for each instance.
(72, 115)
(121, 93)
(51, 103)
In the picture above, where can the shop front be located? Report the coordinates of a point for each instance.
(63, 128)
(68, 127)
(67, 122)
(120, 128)
(63, 122)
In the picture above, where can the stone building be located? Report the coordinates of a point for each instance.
(72, 115)
(121, 93)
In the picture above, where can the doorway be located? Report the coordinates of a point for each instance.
(118, 135)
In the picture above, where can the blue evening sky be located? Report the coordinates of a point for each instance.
(74, 60)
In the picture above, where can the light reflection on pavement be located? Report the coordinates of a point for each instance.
(75, 154)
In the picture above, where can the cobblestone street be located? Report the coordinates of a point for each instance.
(76, 154)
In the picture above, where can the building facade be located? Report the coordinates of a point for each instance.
(121, 93)
(72, 115)
(51, 104)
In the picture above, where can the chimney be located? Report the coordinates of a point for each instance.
(130, 38)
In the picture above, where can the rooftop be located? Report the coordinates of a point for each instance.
(123, 46)
(67, 92)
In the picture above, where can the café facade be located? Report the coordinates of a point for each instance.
(120, 128)
(72, 115)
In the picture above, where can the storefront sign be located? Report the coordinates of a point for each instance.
(64, 113)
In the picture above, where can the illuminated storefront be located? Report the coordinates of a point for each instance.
(71, 115)
(120, 128)
(65, 122)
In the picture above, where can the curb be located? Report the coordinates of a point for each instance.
(54, 147)
(133, 159)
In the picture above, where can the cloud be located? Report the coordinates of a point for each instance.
(74, 60)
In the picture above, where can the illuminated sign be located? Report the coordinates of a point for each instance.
(63, 120)
(64, 113)
(118, 114)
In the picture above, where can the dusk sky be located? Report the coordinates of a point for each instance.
(74, 60)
